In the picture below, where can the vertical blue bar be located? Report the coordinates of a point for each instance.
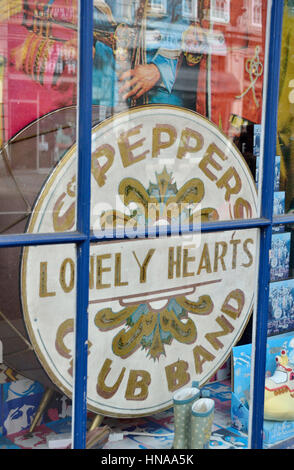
(83, 221)
(270, 135)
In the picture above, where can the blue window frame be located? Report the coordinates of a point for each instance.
(83, 236)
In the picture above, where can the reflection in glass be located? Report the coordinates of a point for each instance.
(38, 81)
(285, 149)
(33, 408)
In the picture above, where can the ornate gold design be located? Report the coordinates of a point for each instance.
(168, 204)
(147, 328)
(254, 68)
(147, 331)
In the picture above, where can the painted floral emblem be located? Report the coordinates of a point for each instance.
(148, 325)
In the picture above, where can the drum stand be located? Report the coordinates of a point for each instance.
(42, 406)
(97, 421)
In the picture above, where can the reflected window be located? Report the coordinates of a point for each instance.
(220, 11)
(157, 7)
(190, 9)
(257, 13)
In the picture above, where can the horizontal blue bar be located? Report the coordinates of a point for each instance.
(153, 232)
(26, 239)
(283, 219)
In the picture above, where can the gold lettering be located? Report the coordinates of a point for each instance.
(209, 160)
(187, 259)
(201, 355)
(102, 389)
(223, 182)
(185, 146)
(62, 223)
(219, 257)
(248, 253)
(172, 262)
(177, 375)
(205, 260)
(157, 143)
(100, 270)
(238, 296)
(63, 330)
(143, 267)
(134, 383)
(43, 286)
(98, 171)
(242, 209)
(67, 287)
(126, 149)
(235, 243)
(226, 329)
(117, 271)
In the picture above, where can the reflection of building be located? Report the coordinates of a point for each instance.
(40, 53)
(232, 74)
(219, 72)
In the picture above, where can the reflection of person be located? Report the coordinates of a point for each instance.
(137, 49)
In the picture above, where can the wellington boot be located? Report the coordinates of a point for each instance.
(202, 414)
(183, 401)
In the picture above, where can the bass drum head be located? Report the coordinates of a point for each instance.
(26, 162)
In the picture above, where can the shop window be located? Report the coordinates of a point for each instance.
(168, 302)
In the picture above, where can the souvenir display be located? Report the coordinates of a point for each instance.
(280, 256)
(279, 388)
(278, 423)
(281, 307)
(277, 172)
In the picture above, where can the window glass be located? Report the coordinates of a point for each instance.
(206, 57)
(278, 414)
(284, 182)
(38, 87)
(35, 406)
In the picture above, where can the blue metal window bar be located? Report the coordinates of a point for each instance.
(82, 237)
